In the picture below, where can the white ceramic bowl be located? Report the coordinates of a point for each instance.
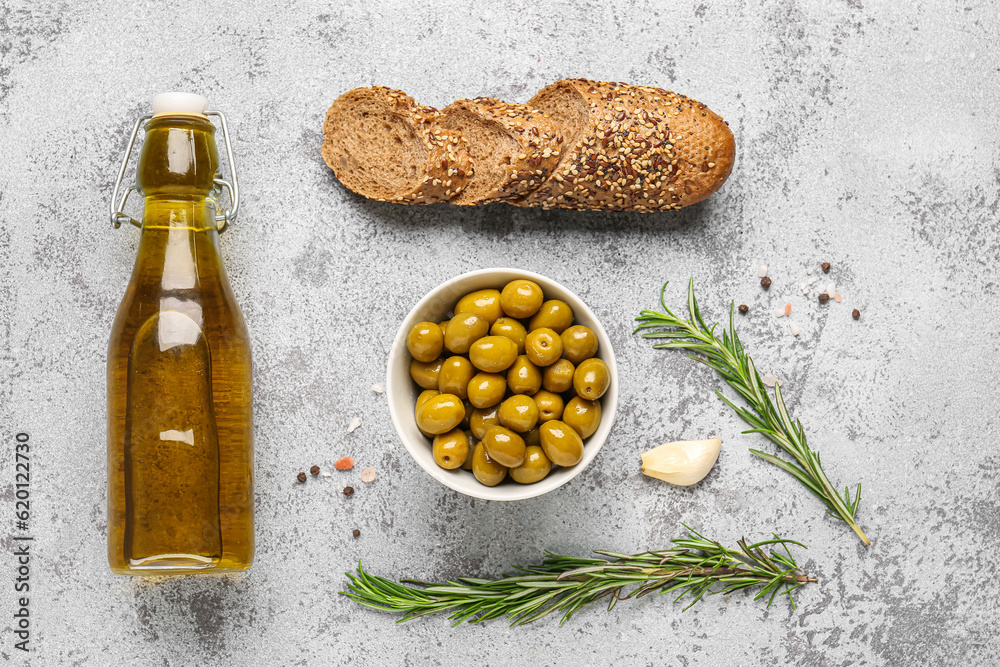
(402, 392)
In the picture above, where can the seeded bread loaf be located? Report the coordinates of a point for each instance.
(383, 145)
(513, 148)
(631, 148)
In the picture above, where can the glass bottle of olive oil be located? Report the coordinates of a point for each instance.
(180, 423)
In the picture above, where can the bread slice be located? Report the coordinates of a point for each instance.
(513, 148)
(383, 145)
(631, 148)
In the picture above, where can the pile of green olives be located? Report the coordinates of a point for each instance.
(511, 387)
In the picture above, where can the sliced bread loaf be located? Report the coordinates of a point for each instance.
(383, 145)
(513, 148)
(631, 148)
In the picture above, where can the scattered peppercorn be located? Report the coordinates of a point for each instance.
(825, 266)
(314, 471)
(744, 309)
(356, 533)
(348, 490)
(765, 282)
(856, 314)
(301, 477)
(824, 297)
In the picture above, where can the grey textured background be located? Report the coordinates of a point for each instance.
(867, 135)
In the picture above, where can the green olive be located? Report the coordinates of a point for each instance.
(469, 408)
(485, 302)
(582, 416)
(561, 444)
(440, 414)
(472, 448)
(451, 449)
(550, 406)
(535, 468)
(486, 470)
(543, 346)
(444, 329)
(482, 419)
(463, 330)
(579, 343)
(524, 377)
(591, 379)
(521, 298)
(486, 389)
(558, 377)
(508, 327)
(456, 373)
(532, 438)
(425, 395)
(504, 446)
(425, 341)
(519, 413)
(553, 314)
(492, 354)
(426, 373)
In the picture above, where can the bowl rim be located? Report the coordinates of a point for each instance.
(399, 354)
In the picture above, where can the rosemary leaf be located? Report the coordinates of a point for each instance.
(568, 584)
(769, 418)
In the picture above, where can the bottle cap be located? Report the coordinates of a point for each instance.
(179, 103)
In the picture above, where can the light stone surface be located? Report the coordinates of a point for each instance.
(868, 136)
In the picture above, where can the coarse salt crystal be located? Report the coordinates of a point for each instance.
(354, 425)
(809, 271)
(837, 297)
(769, 380)
(794, 327)
(377, 388)
(803, 288)
(326, 474)
(831, 289)
(780, 312)
(812, 280)
(368, 475)
(762, 271)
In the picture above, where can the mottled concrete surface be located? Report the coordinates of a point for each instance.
(868, 137)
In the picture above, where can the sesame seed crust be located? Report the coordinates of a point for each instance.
(446, 166)
(640, 149)
(534, 134)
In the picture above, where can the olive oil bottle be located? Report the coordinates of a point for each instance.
(180, 423)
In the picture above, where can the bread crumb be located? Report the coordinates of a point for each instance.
(354, 425)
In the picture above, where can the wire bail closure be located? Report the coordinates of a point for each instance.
(222, 220)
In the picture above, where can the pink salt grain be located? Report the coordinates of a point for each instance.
(788, 309)
(837, 297)
(368, 475)
(344, 463)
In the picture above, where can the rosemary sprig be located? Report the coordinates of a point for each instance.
(565, 584)
(729, 359)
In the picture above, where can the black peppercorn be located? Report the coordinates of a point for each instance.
(314, 471)
(856, 314)
(356, 533)
(825, 266)
(765, 282)
(744, 309)
(348, 490)
(824, 297)
(301, 477)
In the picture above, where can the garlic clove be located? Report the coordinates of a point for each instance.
(682, 463)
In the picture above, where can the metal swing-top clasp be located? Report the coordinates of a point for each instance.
(222, 220)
